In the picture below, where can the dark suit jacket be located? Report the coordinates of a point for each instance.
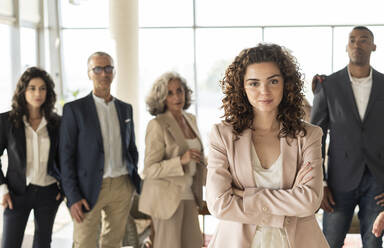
(354, 143)
(82, 151)
(13, 139)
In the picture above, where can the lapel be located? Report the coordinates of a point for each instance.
(19, 134)
(52, 147)
(175, 131)
(373, 95)
(347, 85)
(289, 150)
(93, 118)
(243, 160)
(194, 127)
(121, 124)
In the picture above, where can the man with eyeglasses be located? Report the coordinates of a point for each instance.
(98, 158)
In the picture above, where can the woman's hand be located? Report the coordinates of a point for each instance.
(302, 177)
(7, 202)
(190, 155)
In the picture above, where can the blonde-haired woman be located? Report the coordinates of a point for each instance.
(173, 165)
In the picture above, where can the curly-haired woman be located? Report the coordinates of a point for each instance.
(264, 179)
(174, 165)
(29, 132)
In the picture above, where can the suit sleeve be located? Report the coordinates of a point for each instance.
(155, 164)
(320, 117)
(3, 144)
(221, 201)
(299, 201)
(68, 154)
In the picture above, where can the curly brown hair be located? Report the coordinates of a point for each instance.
(19, 103)
(238, 112)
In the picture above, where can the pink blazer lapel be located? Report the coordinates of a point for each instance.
(290, 158)
(242, 160)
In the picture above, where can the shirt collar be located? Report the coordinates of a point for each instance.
(360, 80)
(101, 100)
(42, 124)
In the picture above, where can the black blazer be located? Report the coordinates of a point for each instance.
(82, 151)
(354, 142)
(13, 139)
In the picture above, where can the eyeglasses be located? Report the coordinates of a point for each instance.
(99, 69)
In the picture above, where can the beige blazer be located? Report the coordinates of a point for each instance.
(291, 208)
(164, 145)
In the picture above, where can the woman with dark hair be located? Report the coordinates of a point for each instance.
(264, 178)
(29, 132)
(174, 165)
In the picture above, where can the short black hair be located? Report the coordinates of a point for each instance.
(364, 28)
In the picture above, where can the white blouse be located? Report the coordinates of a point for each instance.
(270, 178)
(37, 148)
(189, 171)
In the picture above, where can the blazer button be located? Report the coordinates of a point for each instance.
(264, 209)
(287, 221)
(264, 221)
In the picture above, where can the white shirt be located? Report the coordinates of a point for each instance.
(361, 90)
(37, 148)
(270, 178)
(189, 171)
(110, 131)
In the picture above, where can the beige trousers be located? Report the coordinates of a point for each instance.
(112, 210)
(182, 230)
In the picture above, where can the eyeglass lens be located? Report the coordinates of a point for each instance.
(107, 69)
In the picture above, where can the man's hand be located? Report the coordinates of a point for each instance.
(77, 211)
(327, 203)
(378, 226)
(7, 202)
(380, 199)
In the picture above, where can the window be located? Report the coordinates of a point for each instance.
(78, 45)
(6, 88)
(28, 46)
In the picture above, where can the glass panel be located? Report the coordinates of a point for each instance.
(28, 46)
(215, 50)
(311, 46)
(165, 13)
(5, 73)
(282, 12)
(30, 10)
(78, 45)
(6, 7)
(90, 14)
(163, 50)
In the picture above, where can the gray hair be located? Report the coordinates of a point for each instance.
(156, 98)
(99, 54)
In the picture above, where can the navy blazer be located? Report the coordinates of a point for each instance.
(354, 142)
(13, 139)
(82, 151)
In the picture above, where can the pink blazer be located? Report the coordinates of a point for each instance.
(291, 208)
